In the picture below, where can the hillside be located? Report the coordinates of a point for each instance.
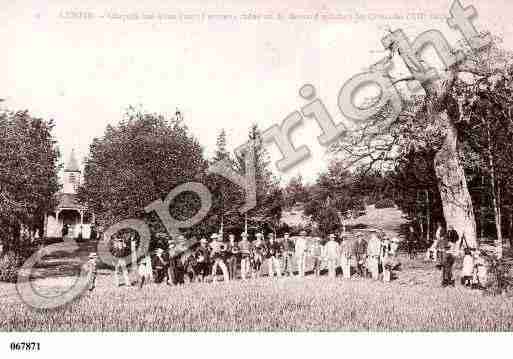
(388, 219)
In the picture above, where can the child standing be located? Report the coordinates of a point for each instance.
(481, 270)
(468, 268)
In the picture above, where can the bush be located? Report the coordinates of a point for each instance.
(9, 265)
(329, 222)
(385, 203)
(499, 277)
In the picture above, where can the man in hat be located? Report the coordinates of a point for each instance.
(218, 254)
(288, 252)
(411, 242)
(386, 258)
(159, 265)
(332, 254)
(394, 246)
(245, 256)
(120, 251)
(316, 253)
(359, 253)
(144, 270)
(233, 254)
(373, 254)
(450, 250)
(300, 253)
(133, 256)
(202, 255)
(273, 256)
(90, 268)
(345, 256)
(259, 250)
(172, 263)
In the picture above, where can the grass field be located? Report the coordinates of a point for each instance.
(413, 302)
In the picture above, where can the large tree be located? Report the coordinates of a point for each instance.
(336, 188)
(139, 161)
(429, 121)
(227, 197)
(28, 174)
(269, 199)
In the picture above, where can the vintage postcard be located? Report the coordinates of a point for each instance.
(255, 166)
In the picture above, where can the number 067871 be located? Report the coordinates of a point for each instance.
(25, 346)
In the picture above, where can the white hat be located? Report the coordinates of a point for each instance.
(214, 236)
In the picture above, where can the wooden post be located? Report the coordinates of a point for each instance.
(428, 219)
(81, 224)
(133, 252)
(221, 230)
(45, 226)
(59, 227)
(481, 212)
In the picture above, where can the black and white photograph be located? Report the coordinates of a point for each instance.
(250, 166)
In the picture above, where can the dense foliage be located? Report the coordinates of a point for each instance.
(139, 161)
(28, 175)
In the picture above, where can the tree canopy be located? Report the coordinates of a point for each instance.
(28, 175)
(139, 161)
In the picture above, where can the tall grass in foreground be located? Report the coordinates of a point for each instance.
(267, 304)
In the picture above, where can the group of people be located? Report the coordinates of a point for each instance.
(474, 273)
(446, 247)
(369, 253)
(375, 256)
(280, 255)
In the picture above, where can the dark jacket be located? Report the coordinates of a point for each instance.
(202, 254)
(120, 249)
(359, 250)
(233, 250)
(161, 261)
(274, 249)
(288, 246)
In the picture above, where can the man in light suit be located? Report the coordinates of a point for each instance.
(300, 248)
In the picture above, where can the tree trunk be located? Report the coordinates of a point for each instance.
(482, 210)
(495, 194)
(510, 232)
(452, 184)
(499, 222)
(456, 201)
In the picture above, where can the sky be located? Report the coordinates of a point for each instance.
(216, 61)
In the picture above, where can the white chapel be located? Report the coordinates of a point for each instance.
(71, 218)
